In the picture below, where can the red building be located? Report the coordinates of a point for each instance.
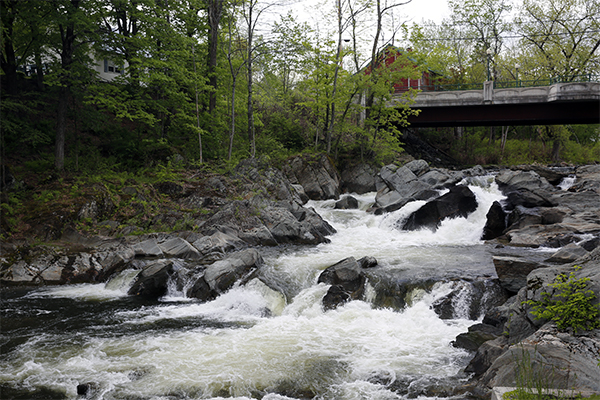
(389, 55)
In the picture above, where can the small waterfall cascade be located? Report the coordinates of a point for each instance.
(270, 338)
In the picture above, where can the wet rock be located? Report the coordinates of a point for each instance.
(270, 223)
(152, 281)
(512, 271)
(347, 280)
(239, 267)
(367, 262)
(214, 247)
(567, 254)
(460, 201)
(359, 179)
(317, 175)
(495, 223)
(346, 203)
(476, 336)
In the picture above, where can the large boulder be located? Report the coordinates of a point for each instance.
(222, 275)
(152, 281)
(513, 271)
(347, 282)
(256, 177)
(460, 201)
(550, 359)
(495, 222)
(269, 223)
(359, 179)
(317, 175)
(214, 247)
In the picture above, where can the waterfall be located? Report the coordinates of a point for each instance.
(270, 338)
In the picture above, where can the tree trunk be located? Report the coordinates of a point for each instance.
(215, 11)
(66, 57)
(8, 59)
(251, 132)
(61, 129)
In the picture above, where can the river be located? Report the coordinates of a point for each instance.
(255, 342)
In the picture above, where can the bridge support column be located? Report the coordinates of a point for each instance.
(488, 92)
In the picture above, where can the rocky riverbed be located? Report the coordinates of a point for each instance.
(544, 207)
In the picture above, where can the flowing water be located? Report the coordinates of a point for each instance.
(253, 341)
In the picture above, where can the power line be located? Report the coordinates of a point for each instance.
(520, 36)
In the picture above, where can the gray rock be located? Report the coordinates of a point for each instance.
(180, 248)
(495, 223)
(239, 267)
(347, 280)
(512, 271)
(317, 175)
(567, 254)
(550, 359)
(418, 167)
(460, 201)
(217, 245)
(359, 179)
(522, 180)
(152, 281)
(476, 336)
(147, 248)
(346, 203)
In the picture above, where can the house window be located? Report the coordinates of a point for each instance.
(110, 66)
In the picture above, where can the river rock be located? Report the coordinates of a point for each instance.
(180, 248)
(567, 254)
(551, 359)
(152, 281)
(495, 222)
(476, 336)
(359, 179)
(512, 271)
(217, 245)
(270, 223)
(317, 175)
(239, 267)
(347, 283)
(460, 201)
(418, 167)
(147, 248)
(346, 203)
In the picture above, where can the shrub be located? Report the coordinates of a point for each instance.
(569, 304)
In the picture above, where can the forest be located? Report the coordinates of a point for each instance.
(128, 85)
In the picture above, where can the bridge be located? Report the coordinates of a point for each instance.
(558, 103)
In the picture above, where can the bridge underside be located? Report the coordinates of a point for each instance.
(551, 113)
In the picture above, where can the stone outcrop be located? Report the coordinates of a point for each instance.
(554, 358)
(317, 175)
(359, 179)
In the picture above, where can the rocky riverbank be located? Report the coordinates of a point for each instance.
(229, 219)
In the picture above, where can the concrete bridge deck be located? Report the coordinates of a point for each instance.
(560, 103)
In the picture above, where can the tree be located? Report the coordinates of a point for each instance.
(485, 22)
(560, 38)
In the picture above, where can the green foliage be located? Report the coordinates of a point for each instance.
(569, 304)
